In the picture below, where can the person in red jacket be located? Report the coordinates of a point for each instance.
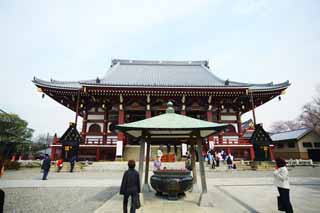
(59, 164)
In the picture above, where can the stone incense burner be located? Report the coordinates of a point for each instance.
(171, 182)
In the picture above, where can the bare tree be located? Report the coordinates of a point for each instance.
(281, 126)
(310, 116)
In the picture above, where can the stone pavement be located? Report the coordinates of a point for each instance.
(242, 198)
(95, 190)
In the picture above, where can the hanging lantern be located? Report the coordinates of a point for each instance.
(242, 107)
(222, 107)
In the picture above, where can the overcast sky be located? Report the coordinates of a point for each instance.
(249, 41)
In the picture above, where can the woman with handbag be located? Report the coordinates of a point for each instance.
(130, 186)
(282, 182)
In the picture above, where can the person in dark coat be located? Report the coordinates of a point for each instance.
(1, 191)
(72, 162)
(45, 166)
(130, 186)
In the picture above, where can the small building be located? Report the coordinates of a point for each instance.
(302, 143)
(260, 139)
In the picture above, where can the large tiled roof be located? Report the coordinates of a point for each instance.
(138, 73)
(290, 135)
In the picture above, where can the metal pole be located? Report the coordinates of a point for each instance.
(253, 112)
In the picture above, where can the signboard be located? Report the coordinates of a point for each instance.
(119, 148)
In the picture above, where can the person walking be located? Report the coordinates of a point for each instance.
(46, 164)
(281, 180)
(2, 195)
(72, 162)
(130, 186)
(229, 161)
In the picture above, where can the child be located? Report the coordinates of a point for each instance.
(59, 164)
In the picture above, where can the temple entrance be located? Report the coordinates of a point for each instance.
(261, 152)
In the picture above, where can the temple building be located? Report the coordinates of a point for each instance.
(133, 90)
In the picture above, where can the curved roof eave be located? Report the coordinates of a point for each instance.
(54, 84)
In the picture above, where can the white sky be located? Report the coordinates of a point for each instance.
(250, 41)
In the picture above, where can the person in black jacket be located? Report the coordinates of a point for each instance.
(130, 186)
(45, 166)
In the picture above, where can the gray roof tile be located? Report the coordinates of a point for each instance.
(290, 135)
(160, 74)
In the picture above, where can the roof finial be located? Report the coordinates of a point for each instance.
(170, 108)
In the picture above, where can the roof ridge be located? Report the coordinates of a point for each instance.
(160, 62)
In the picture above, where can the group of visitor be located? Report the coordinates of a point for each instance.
(46, 165)
(214, 158)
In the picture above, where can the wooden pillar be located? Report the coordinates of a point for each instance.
(141, 159)
(120, 121)
(146, 178)
(253, 112)
(210, 119)
(228, 150)
(97, 154)
(239, 125)
(193, 163)
(251, 153)
(53, 153)
(77, 108)
(201, 164)
(271, 153)
(105, 126)
(148, 113)
(84, 126)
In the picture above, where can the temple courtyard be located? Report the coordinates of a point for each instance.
(95, 189)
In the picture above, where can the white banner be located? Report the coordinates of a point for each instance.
(184, 149)
(119, 148)
(211, 144)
